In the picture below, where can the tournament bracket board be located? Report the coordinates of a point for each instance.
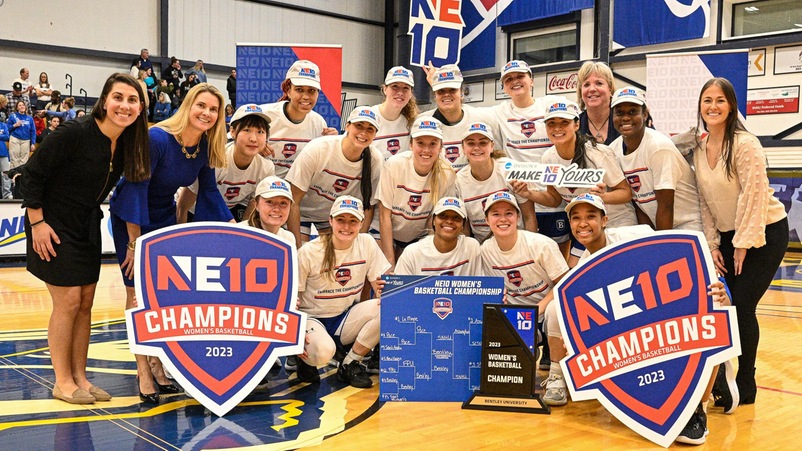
(642, 335)
(217, 304)
(431, 336)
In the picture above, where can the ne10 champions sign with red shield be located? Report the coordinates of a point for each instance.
(641, 332)
(217, 306)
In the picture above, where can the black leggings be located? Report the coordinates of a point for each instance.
(757, 272)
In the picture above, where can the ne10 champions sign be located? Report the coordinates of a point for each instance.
(641, 332)
(217, 306)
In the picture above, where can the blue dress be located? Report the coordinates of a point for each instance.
(151, 203)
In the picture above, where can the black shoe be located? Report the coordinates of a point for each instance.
(354, 373)
(374, 362)
(168, 389)
(747, 387)
(307, 372)
(725, 390)
(339, 355)
(147, 398)
(695, 431)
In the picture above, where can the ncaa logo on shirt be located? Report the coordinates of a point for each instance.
(634, 182)
(393, 146)
(528, 128)
(414, 201)
(340, 185)
(514, 277)
(343, 276)
(232, 192)
(289, 150)
(452, 153)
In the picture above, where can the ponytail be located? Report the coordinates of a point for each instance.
(327, 267)
(286, 85)
(366, 185)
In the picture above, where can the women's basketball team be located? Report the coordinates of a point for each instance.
(399, 192)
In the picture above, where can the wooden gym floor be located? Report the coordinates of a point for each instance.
(291, 415)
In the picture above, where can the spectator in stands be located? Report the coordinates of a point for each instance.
(163, 87)
(80, 113)
(43, 91)
(5, 182)
(229, 115)
(54, 122)
(197, 69)
(177, 99)
(40, 122)
(24, 80)
(17, 94)
(163, 108)
(23, 135)
(140, 78)
(3, 103)
(191, 81)
(173, 73)
(142, 62)
(135, 69)
(55, 101)
(67, 112)
(231, 87)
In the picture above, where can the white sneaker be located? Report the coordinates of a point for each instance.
(556, 391)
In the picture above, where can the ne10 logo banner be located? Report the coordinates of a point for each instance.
(641, 332)
(217, 306)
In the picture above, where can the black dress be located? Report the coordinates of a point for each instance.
(69, 176)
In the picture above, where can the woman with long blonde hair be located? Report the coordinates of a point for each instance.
(185, 147)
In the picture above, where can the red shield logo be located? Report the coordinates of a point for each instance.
(514, 276)
(232, 192)
(442, 307)
(343, 276)
(634, 182)
(393, 146)
(340, 185)
(452, 153)
(289, 150)
(641, 332)
(414, 201)
(528, 128)
(217, 305)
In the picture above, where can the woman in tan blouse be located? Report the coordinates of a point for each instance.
(745, 225)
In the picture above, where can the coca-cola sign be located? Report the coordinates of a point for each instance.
(561, 82)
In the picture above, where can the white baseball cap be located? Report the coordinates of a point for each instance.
(347, 204)
(586, 198)
(448, 76)
(364, 114)
(247, 110)
(450, 203)
(515, 66)
(426, 126)
(501, 196)
(480, 128)
(629, 95)
(399, 74)
(564, 109)
(273, 186)
(304, 73)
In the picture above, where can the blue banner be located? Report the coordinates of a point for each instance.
(526, 11)
(637, 23)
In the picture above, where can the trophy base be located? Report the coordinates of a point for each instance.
(507, 403)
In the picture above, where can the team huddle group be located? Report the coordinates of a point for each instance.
(401, 192)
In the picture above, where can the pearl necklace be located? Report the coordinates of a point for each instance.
(184, 149)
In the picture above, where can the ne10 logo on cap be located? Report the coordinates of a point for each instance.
(280, 185)
(445, 76)
(307, 72)
(628, 92)
(514, 65)
(428, 125)
(367, 113)
(253, 109)
(452, 203)
(349, 203)
(217, 306)
(558, 107)
(401, 73)
(478, 127)
(502, 195)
